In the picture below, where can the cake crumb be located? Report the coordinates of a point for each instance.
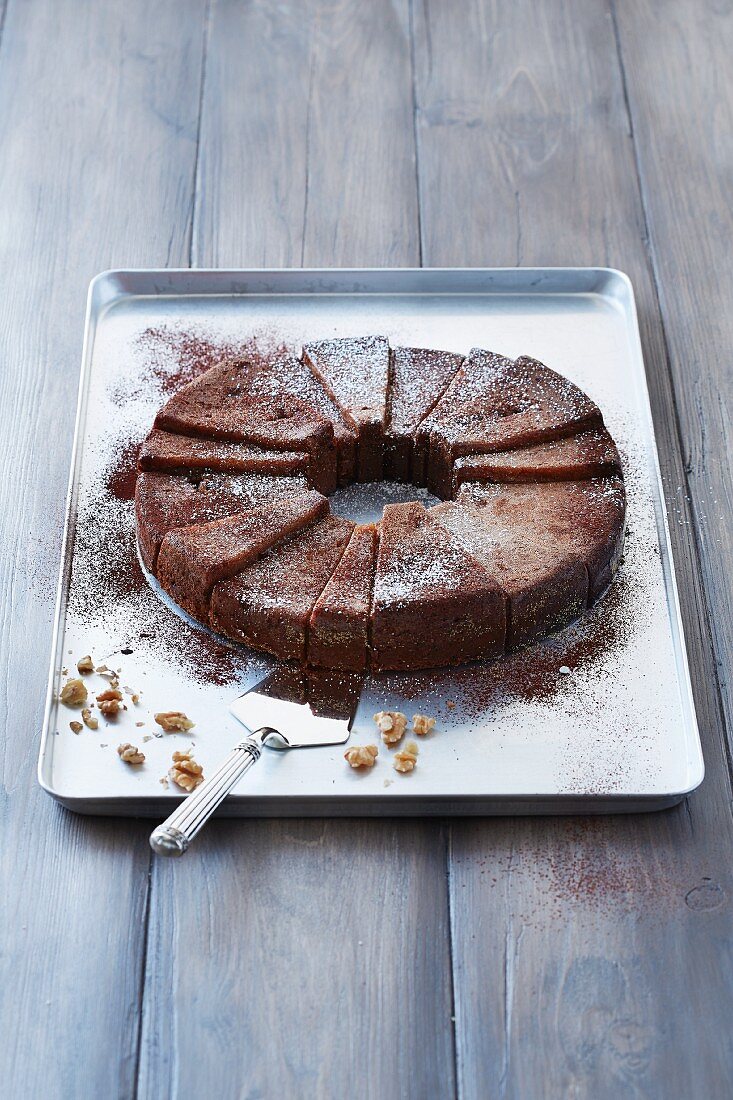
(85, 665)
(186, 772)
(109, 702)
(130, 754)
(406, 759)
(392, 725)
(422, 724)
(73, 693)
(450, 704)
(76, 727)
(361, 756)
(173, 721)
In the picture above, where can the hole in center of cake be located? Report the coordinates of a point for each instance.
(364, 503)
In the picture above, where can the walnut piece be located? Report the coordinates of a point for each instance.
(84, 665)
(73, 693)
(186, 772)
(76, 727)
(90, 721)
(174, 721)
(421, 724)
(406, 759)
(361, 756)
(392, 725)
(109, 702)
(130, 754)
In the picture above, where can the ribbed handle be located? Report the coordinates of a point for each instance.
(173, 837)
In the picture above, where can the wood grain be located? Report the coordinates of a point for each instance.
(317, 954)
(580, 949)
(307, 150)
(97, 155)
(676, 64)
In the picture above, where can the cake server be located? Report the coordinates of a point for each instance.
(276, 722)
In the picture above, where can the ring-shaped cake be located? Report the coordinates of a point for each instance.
(233, 515)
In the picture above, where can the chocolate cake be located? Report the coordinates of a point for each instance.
(192, 559)
(219, 405)
(434, 603)
(355, 372)
(167, 451)
(165, 501)
(588, 454)
(233, 518)
(419, 378)
(268, 605)
(339, 625)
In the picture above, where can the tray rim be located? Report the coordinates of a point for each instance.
(115, 284)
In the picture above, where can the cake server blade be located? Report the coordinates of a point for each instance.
(295, 712)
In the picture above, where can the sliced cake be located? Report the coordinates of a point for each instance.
(180, 453)
(288, 375)
(434, 603)
(588, 454)
(496, 404)
(269, 604)
(165, 501)
(355, 372)
(339, 625)
(192, 559)
(419, 377)
(219, 405)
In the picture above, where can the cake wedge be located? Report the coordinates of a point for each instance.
(339, 625)
(192, 559)
(434, 602)
(589, 454)
(418, 379)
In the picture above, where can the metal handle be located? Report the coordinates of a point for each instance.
(173, 837)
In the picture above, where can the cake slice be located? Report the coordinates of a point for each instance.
(496, 404)
(551, 546)
(355, 372)
(192, 559)
(338, 631)
(288, 375)
(419, 377)
(269, 604)
(434, 603)
(589, 454)
(180, 453)
(219, 405)
(166, 501)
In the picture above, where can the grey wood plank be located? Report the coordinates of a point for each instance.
(312, 956)
(590, 959)
(307, 151)
(97, 156)
(676, 61)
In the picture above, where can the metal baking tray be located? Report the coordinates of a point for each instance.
(600, 718)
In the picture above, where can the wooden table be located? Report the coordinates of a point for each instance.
(387, 959)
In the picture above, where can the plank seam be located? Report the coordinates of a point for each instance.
(448, 845)
(143, 971)
(415, 131)
(199, 124)
(3, 16)
(647, 242)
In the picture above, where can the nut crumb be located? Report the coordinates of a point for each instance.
(130, 754)
(90, 721)
(450, 704)
(163, 781)
(421, 724)
(85, 665)
(73, 693)
(76, 727)
(147, 737)
(174, 721)
(109, 702)
(392, 725)
(139, 723)
(135, 697)
(406, 759)
(186, 772)
(361, 756)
